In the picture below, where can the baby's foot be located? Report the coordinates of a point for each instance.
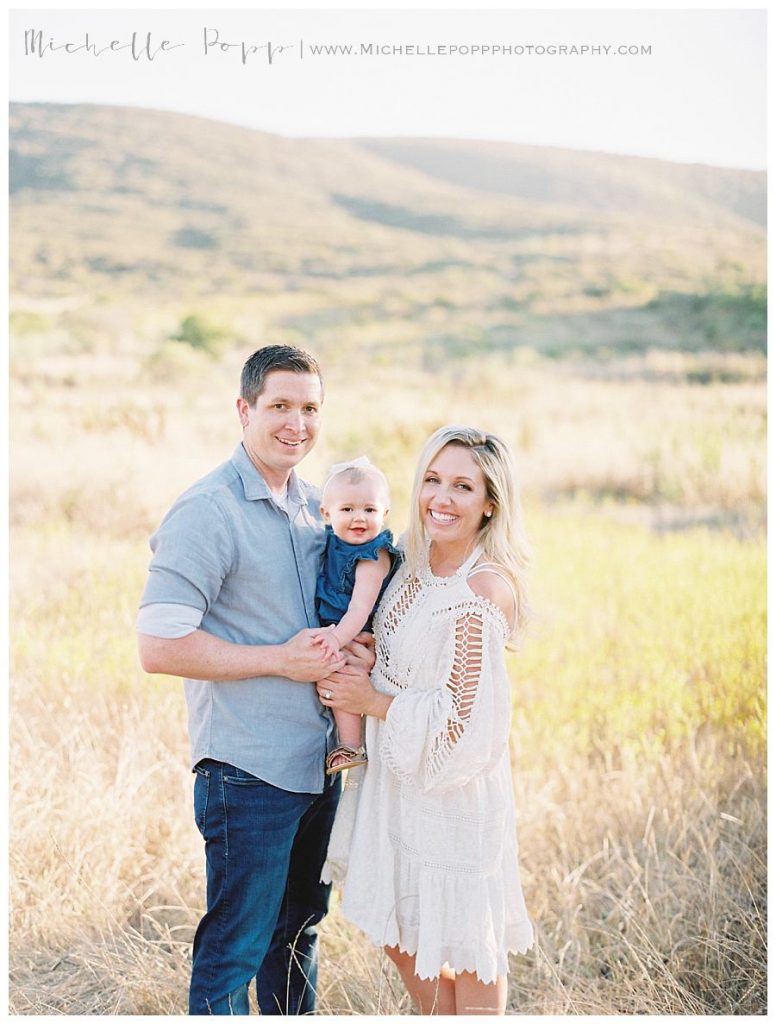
(343, 757)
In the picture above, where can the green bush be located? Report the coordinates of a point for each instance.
(196, 332)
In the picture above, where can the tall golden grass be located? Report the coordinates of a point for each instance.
(639, 694)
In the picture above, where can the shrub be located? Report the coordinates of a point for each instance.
(196, 332)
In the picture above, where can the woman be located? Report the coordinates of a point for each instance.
(428, 840)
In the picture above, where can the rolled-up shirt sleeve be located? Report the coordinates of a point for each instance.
(169, 621)
(193, 550)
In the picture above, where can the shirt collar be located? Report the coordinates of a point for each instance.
(256, 486)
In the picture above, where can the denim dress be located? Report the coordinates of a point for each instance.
(338, 573)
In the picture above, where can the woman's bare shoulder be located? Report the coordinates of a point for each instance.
(488, 582)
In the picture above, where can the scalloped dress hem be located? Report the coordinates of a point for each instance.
(425, 972)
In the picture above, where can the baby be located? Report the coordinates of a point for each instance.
(358, 563)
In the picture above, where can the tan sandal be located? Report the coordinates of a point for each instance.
(352, 756)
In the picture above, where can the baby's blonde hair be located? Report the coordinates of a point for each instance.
(502, 535)
(355, 474)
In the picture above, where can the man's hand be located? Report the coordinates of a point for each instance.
(305, 659)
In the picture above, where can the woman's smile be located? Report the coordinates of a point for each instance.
(442, 517)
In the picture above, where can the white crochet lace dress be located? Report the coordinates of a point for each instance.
(426, 843)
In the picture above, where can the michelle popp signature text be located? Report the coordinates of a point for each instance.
(143, 46)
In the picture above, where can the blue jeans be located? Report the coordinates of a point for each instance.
(264, 848)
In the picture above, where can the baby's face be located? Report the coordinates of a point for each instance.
(356, 512)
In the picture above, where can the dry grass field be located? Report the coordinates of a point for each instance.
(639, 693)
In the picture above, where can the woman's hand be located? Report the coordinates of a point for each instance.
(361, 651)
(350, 689)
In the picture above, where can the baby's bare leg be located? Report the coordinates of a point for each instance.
(348, 728)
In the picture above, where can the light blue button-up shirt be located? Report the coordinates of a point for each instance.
(229, 551)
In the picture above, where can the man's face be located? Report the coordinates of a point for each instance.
(282, 427)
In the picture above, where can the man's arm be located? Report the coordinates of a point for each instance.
(193, 552)
(200, 655)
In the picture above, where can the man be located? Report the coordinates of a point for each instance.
(230, 605)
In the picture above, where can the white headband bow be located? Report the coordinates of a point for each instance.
(362, 462)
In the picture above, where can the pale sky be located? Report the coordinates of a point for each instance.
(698, 97)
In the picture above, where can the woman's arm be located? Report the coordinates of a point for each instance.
(441, 737)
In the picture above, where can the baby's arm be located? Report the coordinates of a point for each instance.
(369, 578)
(366, 589)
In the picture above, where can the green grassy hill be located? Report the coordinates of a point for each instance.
(436, 250)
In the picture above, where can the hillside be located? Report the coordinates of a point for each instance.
(438, 248)
(598, 182)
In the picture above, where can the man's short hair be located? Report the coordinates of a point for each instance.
(274, 357)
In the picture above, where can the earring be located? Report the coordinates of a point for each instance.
(488, 514)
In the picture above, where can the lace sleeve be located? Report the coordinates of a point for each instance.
(442, 737)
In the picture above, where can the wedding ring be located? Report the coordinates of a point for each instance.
(328, 694)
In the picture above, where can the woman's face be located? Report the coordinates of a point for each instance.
(453, 498)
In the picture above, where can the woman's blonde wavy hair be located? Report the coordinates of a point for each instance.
(502, 536)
